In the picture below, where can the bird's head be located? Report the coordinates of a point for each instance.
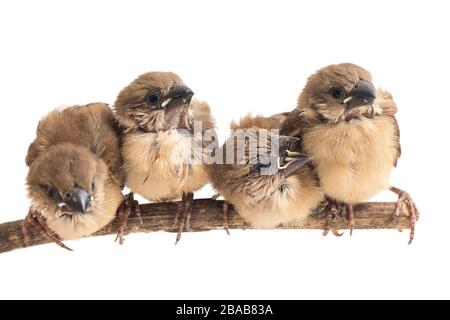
(66, 185)
(154, 102)
(338, 93)
(262, 161)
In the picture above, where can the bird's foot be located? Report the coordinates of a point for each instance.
(134, 206)
(184, 210)
(334, 210)
(348, 217)
(127, 207)
(35, 220)
(331, 210)
(123, 213)
(414, 214)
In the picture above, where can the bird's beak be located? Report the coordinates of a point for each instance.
(77, 200)
(363, 94)
(178, 96)
(289, 161)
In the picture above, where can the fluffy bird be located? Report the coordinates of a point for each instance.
(165, 136)
(267, 183)
(350, 130)
(75, 178)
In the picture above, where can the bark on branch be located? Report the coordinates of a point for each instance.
(206, 216)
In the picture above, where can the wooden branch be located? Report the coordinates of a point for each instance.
(207, 215)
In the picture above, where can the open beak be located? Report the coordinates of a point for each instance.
(363, 94)
(289, 161)
(178, 96)
(77, 200)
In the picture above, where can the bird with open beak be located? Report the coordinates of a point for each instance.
(267, 183)
(163, 140)
(75, 177)
(350, 130)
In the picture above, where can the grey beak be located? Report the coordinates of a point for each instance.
(363, 94)
(178, 96)
(77, 199)
(181, 91)
(297, 163)
(286, 149)
(287, 143)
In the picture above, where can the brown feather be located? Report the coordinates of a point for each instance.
(156, 160)
(74, 147)
(257, 121)
(354, 150)
(264, 201)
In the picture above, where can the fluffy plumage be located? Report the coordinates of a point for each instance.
(75, 179)
(264, 195)
(354, 150)
(157, 148)
(350, 131)
(166, 136)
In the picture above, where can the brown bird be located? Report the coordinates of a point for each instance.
(350, 131)
(267, 183)
(164, 140)
(74, 179)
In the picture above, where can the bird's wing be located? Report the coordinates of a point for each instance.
(105, 139)
(397, 140)
(201, 113)
(293, 126)
(385, 101)
(294, 123)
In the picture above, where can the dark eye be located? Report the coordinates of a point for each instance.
(152, 98)
(337, 92)
(51, 192)
(93, 186)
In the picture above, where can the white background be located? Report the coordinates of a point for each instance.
(241, 57)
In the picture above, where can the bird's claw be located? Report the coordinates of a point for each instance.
(414, 214)
(330, 216)
(333, 210)
(336, 232)
(134, 206)
(35, 219)
(351, 216)
(128, 207)
(122, 213)
(185, 210)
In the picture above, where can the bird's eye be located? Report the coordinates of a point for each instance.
(51, 192)
(337, 93)
(152, 98)
(93, 186)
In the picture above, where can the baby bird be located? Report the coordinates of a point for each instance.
(268, 184)
(350, 131)
(164, 140)
(74, 179)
